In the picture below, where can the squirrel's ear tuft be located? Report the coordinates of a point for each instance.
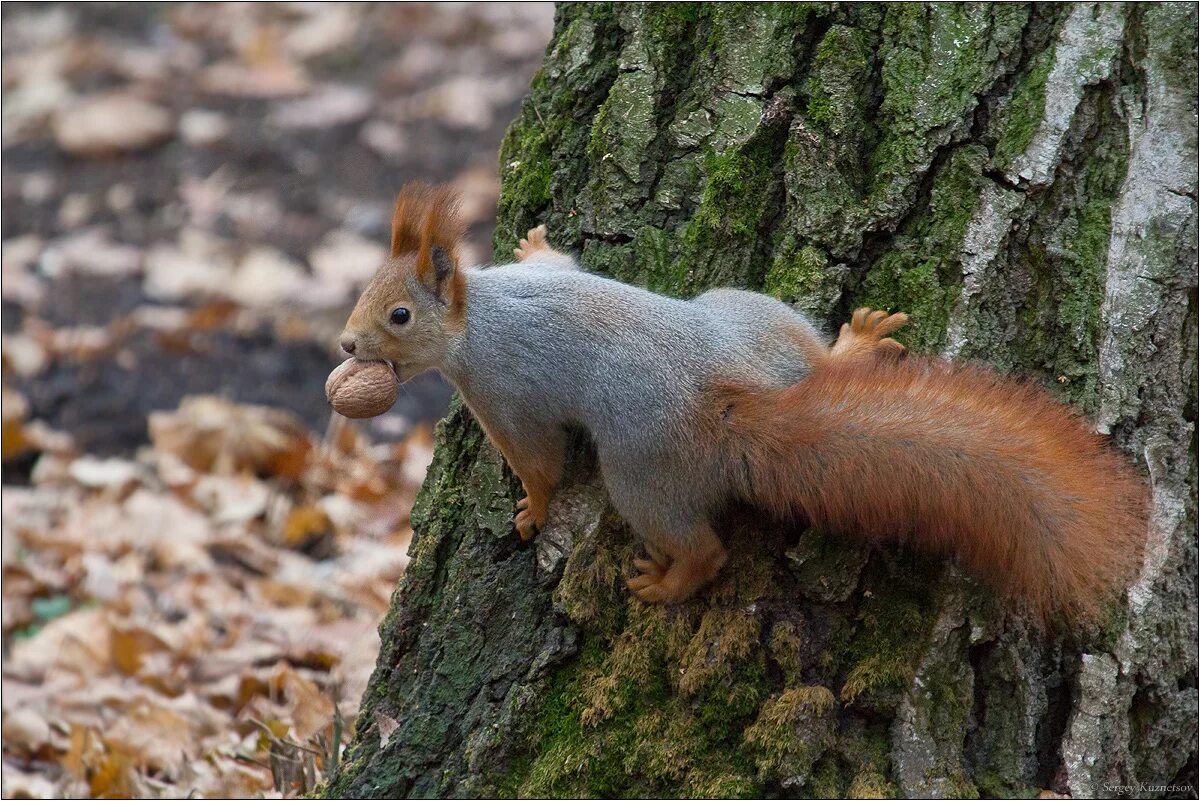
(412, 204)
(437, 251)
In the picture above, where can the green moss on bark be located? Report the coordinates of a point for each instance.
(836, 103)
(921, 273)
(936, 62)
(1023, 113)
(803, 276)
(721, 244)
(1069, 259)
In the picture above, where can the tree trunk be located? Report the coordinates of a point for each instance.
(1021, 179)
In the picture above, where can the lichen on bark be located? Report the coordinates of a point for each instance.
(1018, 177)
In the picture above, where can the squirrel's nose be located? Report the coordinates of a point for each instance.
(348, 344)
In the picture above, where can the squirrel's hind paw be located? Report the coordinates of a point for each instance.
(867, 333)
(533, 242)
(687, 571)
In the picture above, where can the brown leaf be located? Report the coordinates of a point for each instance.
(222, 776)
(212, 315)
(326, 28)
(112, 776)
(345, 261)
(231, 499)
(131, 645)
(325, 108)
(198, 264)
(13, 439)
(25, 731)
(272, 79)
(212, 434)
(79, 642)
(96, 473)
(20, 784)
(305, 527)
(202, 127)
(92, 251)
(73, 760)
(311, 710)
(152, 736)
(108, 124)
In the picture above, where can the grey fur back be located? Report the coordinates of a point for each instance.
(579, 348)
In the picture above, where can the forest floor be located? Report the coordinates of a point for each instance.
(195, 554)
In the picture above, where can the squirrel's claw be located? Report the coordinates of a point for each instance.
(526, 527)
(527, 521)
(887, 323)
(649, 567)
(650, 587)
(654, 585)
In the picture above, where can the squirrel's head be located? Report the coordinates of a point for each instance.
(415, 305)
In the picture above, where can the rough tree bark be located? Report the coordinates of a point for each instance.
(1019, 178)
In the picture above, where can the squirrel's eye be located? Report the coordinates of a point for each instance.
(400, 315)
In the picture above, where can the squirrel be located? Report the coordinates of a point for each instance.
(735, 395)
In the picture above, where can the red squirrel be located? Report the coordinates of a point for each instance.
(735, 395)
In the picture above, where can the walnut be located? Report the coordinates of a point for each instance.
(358, 388)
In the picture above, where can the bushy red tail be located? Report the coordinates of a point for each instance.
(960, 459)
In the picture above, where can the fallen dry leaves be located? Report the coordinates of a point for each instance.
(200, 619)
(211, 186)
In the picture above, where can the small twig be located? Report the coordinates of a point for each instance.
(283, 740)
(339, 725)
(310, 774)
(241, 757)
(333, 431)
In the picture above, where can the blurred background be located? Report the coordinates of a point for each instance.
(195, 555)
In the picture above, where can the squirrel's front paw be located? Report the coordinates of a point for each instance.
(529, 519)
(534, 241)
